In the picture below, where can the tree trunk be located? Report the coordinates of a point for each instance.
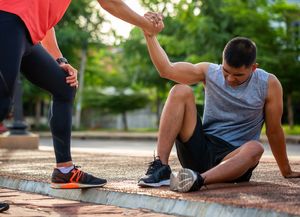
(80, 85)
(38, 107)
(124, 119)
(81, 78)
(290, 110)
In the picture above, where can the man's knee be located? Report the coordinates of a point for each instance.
(255, 150)
(181, 91)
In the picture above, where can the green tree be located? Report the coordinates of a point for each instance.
(140, 68)
(109, 88)
(286, 53)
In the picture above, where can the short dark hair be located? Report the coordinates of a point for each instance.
(240, 51)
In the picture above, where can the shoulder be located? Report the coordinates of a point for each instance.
(211, 68)
(274, 87)
(203, 66)
(261, 75)
(273, 82)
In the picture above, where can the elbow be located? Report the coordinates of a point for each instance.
(274, 132)
(163, 74)
(164, 71)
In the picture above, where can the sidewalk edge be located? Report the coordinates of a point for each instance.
(156, 204)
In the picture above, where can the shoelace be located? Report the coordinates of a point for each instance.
(152, 166)
(204, 184)
(77, 172)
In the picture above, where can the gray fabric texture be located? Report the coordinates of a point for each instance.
(234, 114)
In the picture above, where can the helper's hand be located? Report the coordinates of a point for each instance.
(72, 79)
(156, 20)
(293, 174)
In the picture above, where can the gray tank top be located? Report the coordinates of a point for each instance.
(234, 114)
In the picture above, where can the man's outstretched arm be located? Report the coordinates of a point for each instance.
(181, 72)
(120, 10)
(274, 131)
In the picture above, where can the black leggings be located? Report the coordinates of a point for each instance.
(18, 54)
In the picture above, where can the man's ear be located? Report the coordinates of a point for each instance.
(255, 65)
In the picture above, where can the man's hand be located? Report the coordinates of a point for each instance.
(156, 20)
(293, 174)
(72, 79)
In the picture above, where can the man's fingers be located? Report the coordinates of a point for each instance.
(153, 17)
(161, 16)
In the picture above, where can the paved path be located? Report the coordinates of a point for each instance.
(267, 194)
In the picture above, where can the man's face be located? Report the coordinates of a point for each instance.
(236, 76)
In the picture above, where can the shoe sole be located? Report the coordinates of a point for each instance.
(158, 184)
(6, 207)
(183, 181)
(74, 185)
(174, 181)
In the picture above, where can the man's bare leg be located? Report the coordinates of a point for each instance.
(179, 116)
(235, 164)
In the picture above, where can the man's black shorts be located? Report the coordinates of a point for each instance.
(203, 152)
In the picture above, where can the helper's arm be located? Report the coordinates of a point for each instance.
(181, 72)
(50, 44)
(120, 10)
(274, 131)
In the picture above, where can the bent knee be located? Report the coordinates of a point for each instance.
(256, 149)
(67, 95)
(182, 91)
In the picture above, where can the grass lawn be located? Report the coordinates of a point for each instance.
(287, 130)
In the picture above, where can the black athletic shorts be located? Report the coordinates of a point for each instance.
(203, 152)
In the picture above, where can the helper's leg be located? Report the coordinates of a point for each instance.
(11, 51)
(42, 70)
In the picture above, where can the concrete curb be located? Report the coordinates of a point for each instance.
(152, 136)
(134, 201)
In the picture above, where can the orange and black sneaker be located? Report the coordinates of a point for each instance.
(75, 179)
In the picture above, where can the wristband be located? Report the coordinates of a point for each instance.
(62, 60)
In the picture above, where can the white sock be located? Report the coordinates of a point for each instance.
(65, 170)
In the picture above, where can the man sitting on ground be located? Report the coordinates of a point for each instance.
(239, 99)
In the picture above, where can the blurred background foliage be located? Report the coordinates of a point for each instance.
(121, 77)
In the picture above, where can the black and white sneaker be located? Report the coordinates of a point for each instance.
(158, 174)
(186, 180)
(4, 206)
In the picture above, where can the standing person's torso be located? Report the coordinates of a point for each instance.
(234, 114)
(38, 15)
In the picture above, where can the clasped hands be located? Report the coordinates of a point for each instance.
(156, 20)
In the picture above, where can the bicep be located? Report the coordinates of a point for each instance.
(188, 73)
